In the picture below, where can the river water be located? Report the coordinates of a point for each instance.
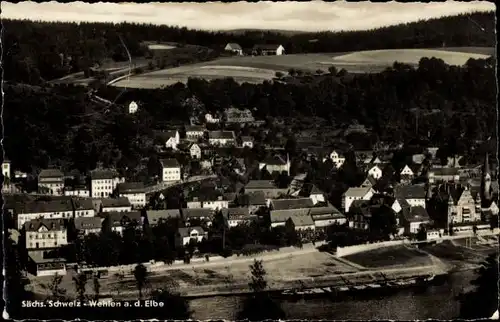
(436, 302)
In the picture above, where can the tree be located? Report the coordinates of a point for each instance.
(96, 286)
(80, 281)
(279, 74)
(333, 70)
(54, 287)
(258, 282)
(482, 302)
(140, 274)
(421, 233)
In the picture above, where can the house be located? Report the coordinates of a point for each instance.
(77, 191)
(210, 119)
(363, 156)
(51, 181)
(171, 170)
(247, 141)
(88, 225)
(6, 168)
(234, 115)
(406, 174)
(462, 207)
(172, 139)
(353, 194)
(135, 192)
(132, 107)
(194, 132)
(283, 204)
(234, 48)
(237, 216)
(185, 235)
(369, 182)
(443, 175)
(103, 182)
(154, 217)
(45, 233)
(267, 50)
(326, 216)
(314, 193)
(279, 217)
(299, 223)
(197, 214)
(195, 151)
(275, 164)
(212, 201)
(120, 204)
(118, 221)
(41, 266)
(221, 138)
(50, 209)
(337, 159)
(269, 189)
(413, 194)
(251, 200)
(83, 208)
(375, 172)
(418, 158)
(360, 214)
(413, 218)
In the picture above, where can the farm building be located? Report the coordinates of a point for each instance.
(268, 50)
(235, 48)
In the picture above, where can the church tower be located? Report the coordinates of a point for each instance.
(486, 181)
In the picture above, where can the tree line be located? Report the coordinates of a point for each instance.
(38, 51)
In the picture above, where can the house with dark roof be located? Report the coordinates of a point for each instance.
(170, 170)
(221, 138)
(413, 194)
(171, 138)
(135, 192)
(120, 204)
(275, 163)
(118, 221)
(279, 217)
(251, 200)
(204, 215)
(154, 217)
(268, 187)
(186, 235)
(45, 233)
(326, 216)
(357, 193)
(88, 225)
(46, 209)
(283, 204)
(103, 182)
(360, 214)
(194, 132)
(268, 50)
(51, 181)
(83, 207)
(234, 48)
(208, 199)
(369, 182)
(312, 192)
(414, 218)
(300, 223)
(462, 207)
(238, 216)
(435, 175)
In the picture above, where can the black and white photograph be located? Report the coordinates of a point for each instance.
(249, 161)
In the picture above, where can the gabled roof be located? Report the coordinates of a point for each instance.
(196, 213)
(234, 46)
(103, 174)
(82, 223)
(220, 135)
(115, 202)
(416, 214)
(117, 219)
(51, 173)
(274, 160)
(410, 192)
(83, 204)
(49, 206)
(130, 187)
(283, 215)
(444, 171)
(324, 210)
(282, 204)
(50, 224)
(300, 221)
(154, 216)
(195, 128)
(370, 181)
(169, 163)
(266, 47)
(357, 192)
(256, 198)
(186, 231)
(260, 184)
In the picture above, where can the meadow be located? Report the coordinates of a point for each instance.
(256, 69)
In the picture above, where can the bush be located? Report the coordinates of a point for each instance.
(226, 252)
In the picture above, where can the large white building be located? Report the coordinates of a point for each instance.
(170, 170)
(6, 168)
(134, 192)
(103, 182)
(45, 233)
(221, 138)
(194, 132)
(356, 194)
(172, 139)
(51, 181)
(83, 208)
(53, 209)
(120, 204)
(77, 192)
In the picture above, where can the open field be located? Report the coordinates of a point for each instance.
(390, 257)
(256, 69)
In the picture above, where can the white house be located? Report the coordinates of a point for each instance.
(119, 221)
(208, 202)
(280, 217)
(103, 182)
(88, 225)
(77, 192)
(238, 216)
(53, 209)
(413, 194)
(275, 164)
(51, 181)
(356, 194)
(247, 141)
(210, 119)
(186, 234)
(132, 107)
(266, 50)
(134, 192)
(120, 204)
(221, 138)
(45, 233)
(337, 159)
(83, 208)
(194, 132)
(407, 171)
(235, 48)
(375, 172)
(171, 170)
(462, 208)
(172, 139)
(413, 218)
(195, 151)
(6, 168)
(316, 195)
(326, 216)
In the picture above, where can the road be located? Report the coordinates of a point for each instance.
(164, 185)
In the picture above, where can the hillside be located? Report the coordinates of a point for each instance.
(37, 51)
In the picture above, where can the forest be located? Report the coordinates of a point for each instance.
(35, 52)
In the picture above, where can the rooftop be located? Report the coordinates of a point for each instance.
(234, 46)
(83, 204)
(186, 231)
(444, 171)
(50, 224)
(103, 174)
(227, 135)
(51, 173)
(256, 198)
(260, 184)
(283, 215)
(117, 218)
(115, 202)
(49, 206)
(154, 216)
(82, 223)
(196, 213)
(169, 163)
(129, 187)
(282, 204)
(416, 214)
(299, 221)
(195, 128)
(357, 192)
(410, 192)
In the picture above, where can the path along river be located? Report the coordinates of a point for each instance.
(436, 302)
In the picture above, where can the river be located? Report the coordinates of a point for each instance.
(436, 302)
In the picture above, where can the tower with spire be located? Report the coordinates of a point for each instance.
(486, 181)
